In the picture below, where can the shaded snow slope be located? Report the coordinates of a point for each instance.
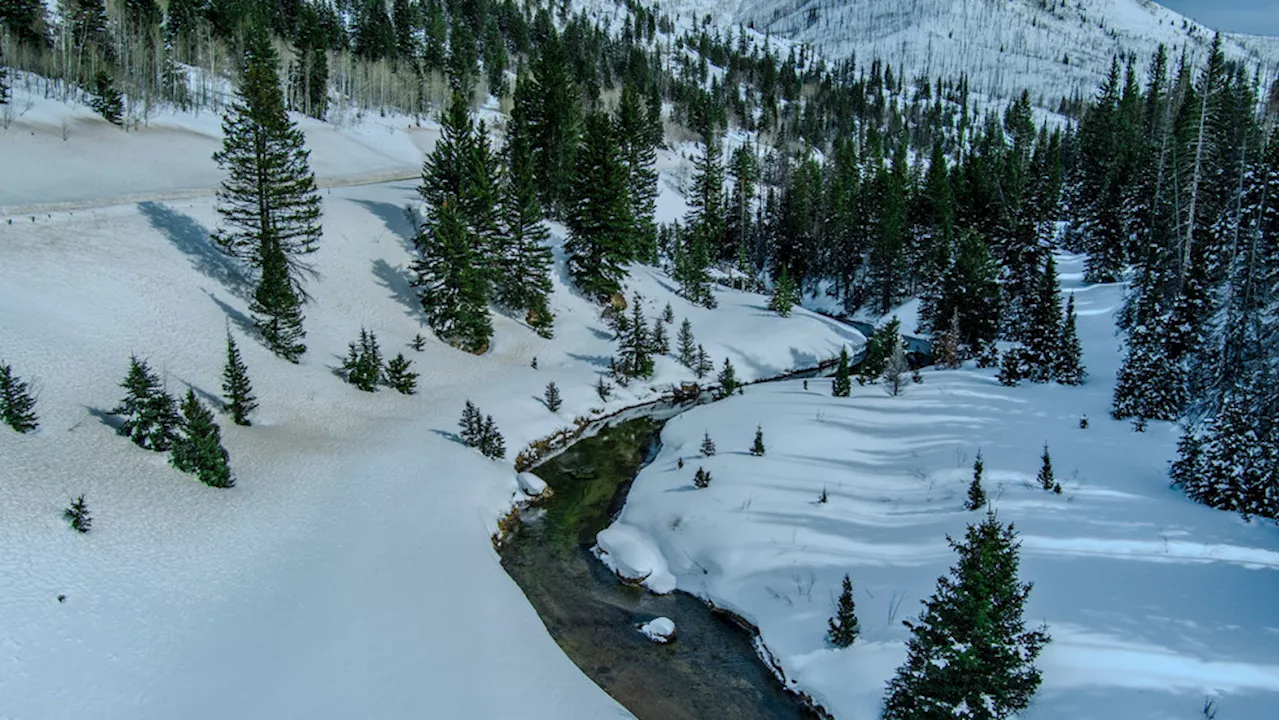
(350, 572)
(1153, 602)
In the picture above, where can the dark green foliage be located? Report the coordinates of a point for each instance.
(686, 346)
(704, 222)
(668, 315)
(1045, 331)
(1013, 366)
(375, 36)
(639, 155)
(235, 385)
(601, 227)
(400, 377)
(841, 385)
(276, 307)
(842, 628)
(1149, 383)
(701, 478)
(17, 407)
(977, 496)
(78, 515)
(879, 349)
(970, 645)
(551, 396)
(1232, 465)
(150, 417)
(451, 286)
(702, 363)
(946, 345)
(757, 445)
(524, 283)
(418, 343)
(727, 380)
(708, 447)
(1045, 476)
(534, 362)
(363, 364)
(969, 290)
(658, 343)
(558, 119)
(106, 100)
(634, 346)
(471, 425)
(491, 444)
(268, 201)
(1067, 367)
(603, 389)
(25, 21)
(784, 294)
(198, 445)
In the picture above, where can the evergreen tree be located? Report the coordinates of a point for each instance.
(634, 345)
(879, 349)
(276, 307)
(708, 445)
(551, 396)
(946, 346)
(600, 223)
(491, 443)
(1236, 467)
(419, 343)
(841, 385)
(703, 364)
(557, 117)
(363, 364)
(704, 222)
(977, 496)
(895, 367)
(78, 515)
(757, 445)
(106, 100)
(784, 294)
(236, 386)
(1045, 476)
(472, 425)
(148, 411)
(745, 172)
(658, 343)
(701, 479)
(1067, 368)
(639, 155)
(451, 286)
(197, 448)
(400, 377)
(268, 201)
(727, 380)
(1148, 384)
(1045, 331)
(842, 628)
(603, 389)
(686, 346)
(969, 289)
(524, 283)
(17, 407)
(1013, 366)
(970, 654)
(668, 315)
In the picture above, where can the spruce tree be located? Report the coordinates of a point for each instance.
(276, 307)
(1067, 367)
(601, 226)
(400, 377)
(150, 417)
(363, 364)
(879, 348)
(419, 343)
(686, 346)
(198, 445)
(1237, 468)
(841, 385)
(895, 367)
(551, 396)
(603, 389)
(1013, 366)
(1149, 383)
(970, 654)
(524, 283)
(639, 155)
(784, 294)
(946, 345)
(705, 220)
(658, 343)
(1045, 476)
(702, 364)
(558, 122)
(757, 445)
(1045, 331)
(708, 447)
(842, 628)
(235, 385)
(268, 201)
(471, 425)
(634, 346)
(491, 443)
(727, 380)
(452, 285)
(977, 496)
(17, 407)
(78, 515)
(969, 289)
(701, 479)
(106, 100)
(668, 315)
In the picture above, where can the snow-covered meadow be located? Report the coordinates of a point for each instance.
(1154, 603)
(350, 572)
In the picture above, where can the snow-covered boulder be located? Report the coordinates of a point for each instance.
(659, 630)
(634, 557)
(531, 484)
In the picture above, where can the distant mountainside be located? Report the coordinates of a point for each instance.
(1052, 47)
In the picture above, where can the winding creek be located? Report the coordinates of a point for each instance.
(712, 669)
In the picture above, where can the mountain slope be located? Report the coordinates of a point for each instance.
(1003, 45)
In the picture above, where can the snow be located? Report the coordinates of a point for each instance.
(350, 572)
(1153, 602)
(659, 630)
(531, 484)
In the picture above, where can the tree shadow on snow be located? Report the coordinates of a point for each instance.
(241, 320)
(395, 218)
(597, 360)
(396, 281)
(105, 417)
(193, 240)
(214, 400)
(449, 435)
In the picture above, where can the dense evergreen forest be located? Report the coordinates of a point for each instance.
(845, 180)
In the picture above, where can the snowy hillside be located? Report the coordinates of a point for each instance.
(1003, 45)
(350, 572)
(1154, 603)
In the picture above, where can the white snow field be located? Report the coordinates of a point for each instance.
(350, 572)
(1154, 603)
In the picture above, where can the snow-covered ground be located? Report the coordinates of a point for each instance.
(1153, 602)
(349, 573)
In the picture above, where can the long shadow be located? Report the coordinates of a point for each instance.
(213, 400)
(241, 320)
(597, 360)
(193, 240)
(395, 218)
(105, 417)
(396, 281)
(447, 435)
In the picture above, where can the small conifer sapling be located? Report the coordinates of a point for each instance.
(708, 445)
(977, 496)
(198, 446)
(842, 628)
(551, 396)
(757, 445)
(1045, 476)
(17, 406)
(727, 379)
(840, 385)
(400, 377)
(78, 515)
(236, 386)
(701, 479)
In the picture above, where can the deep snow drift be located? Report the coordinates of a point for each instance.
(1153, 602)
(350, 572)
